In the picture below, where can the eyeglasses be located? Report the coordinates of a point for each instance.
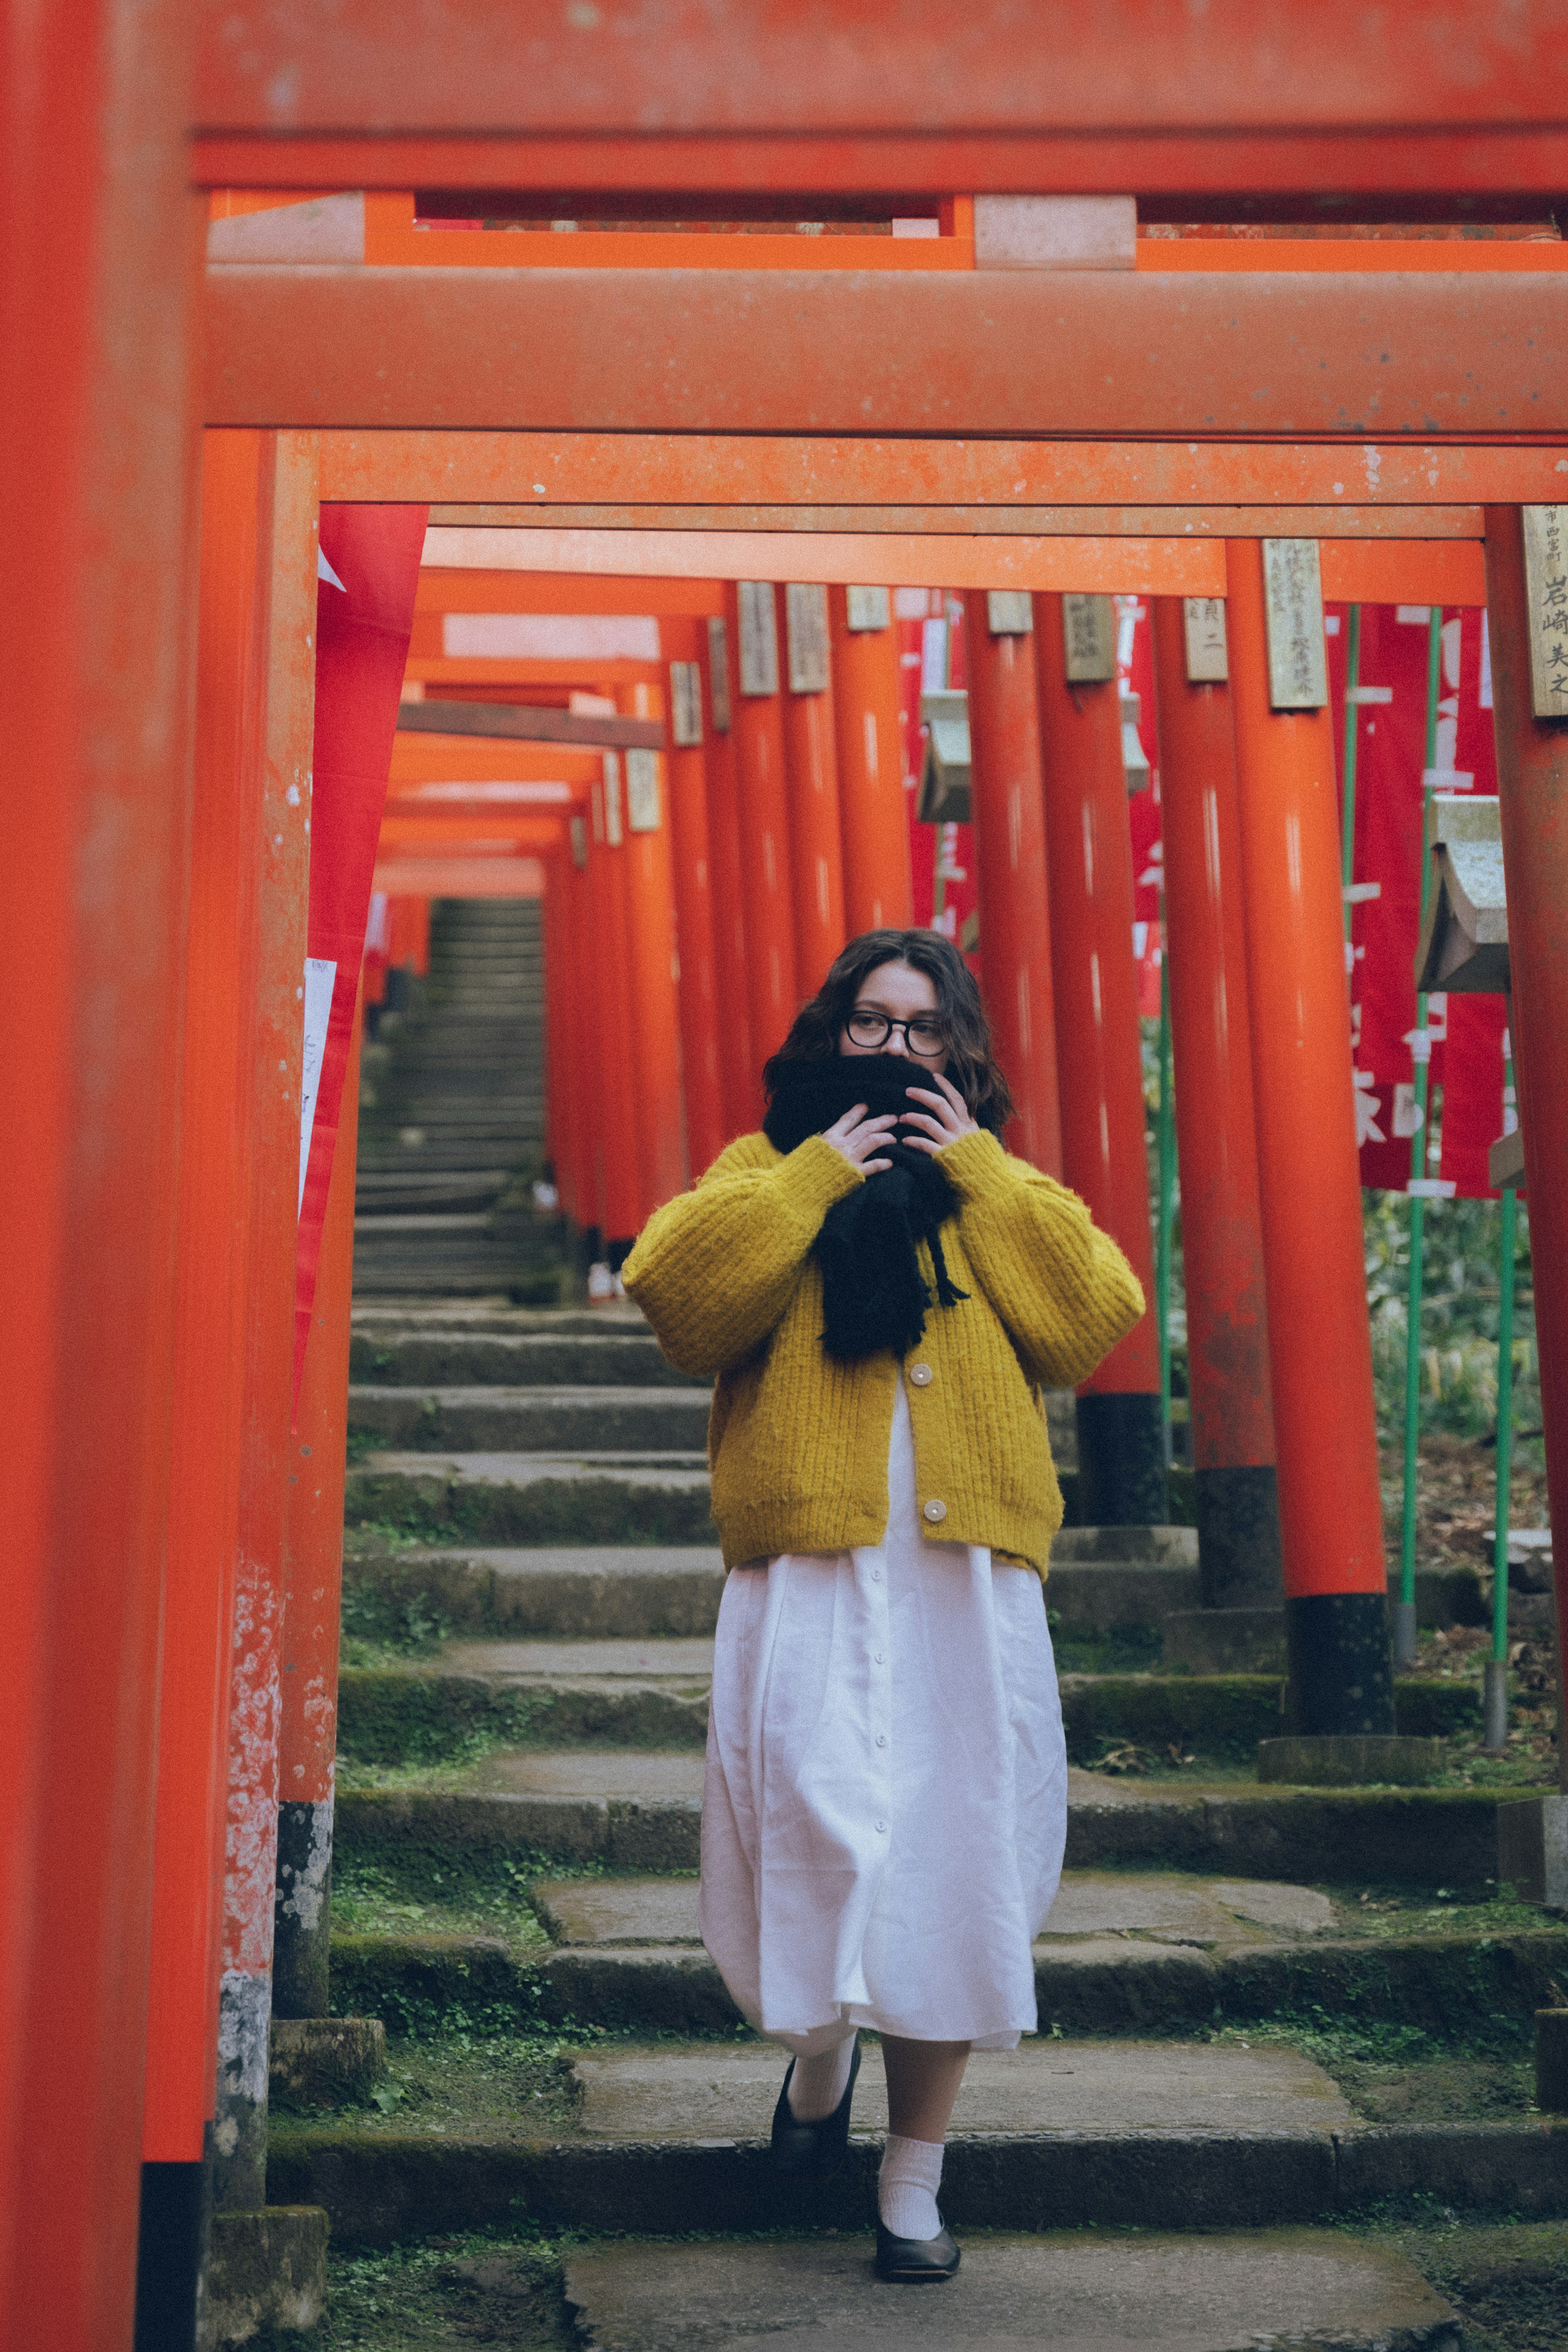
(922, 1036)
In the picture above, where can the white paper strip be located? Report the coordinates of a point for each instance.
(321, 973)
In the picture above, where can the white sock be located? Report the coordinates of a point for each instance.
(818, 2084)
(906, 2186)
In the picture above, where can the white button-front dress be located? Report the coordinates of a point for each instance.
(885, 1806)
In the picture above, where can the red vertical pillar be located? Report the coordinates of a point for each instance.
(687, 771)
(1309, 1185)
(739, 1067)
(758, 733)
(656, 1103)
(101, 249)
(812, 767)
(559, 1129)
(278, 792)
(1236, 1487)
(1009, 816)
(313, 1594)
(872, 812)
(585, 1203)
(617, 1071)
(1089, 858)
(1532, 795)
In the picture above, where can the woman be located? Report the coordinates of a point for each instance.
(882, 1292)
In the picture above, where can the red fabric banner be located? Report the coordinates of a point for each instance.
(369, 571)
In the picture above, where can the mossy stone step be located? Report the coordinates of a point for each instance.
(555, 1420)
(575, 1353)
(584, 1497)
(1072, 2294)
(636, 1811)
(653, 1693)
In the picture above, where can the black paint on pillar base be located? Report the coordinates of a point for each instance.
(1239, 1537)
(171, 2254)
(1120, 1461)
(1340, 1666)
(302, 1910)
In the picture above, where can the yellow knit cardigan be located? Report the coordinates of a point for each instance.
(798, 1442)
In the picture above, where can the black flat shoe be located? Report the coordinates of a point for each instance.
(813, 2151)
(916, 2262)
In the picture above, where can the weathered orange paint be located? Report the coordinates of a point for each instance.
(703, 96)
(1089, 862)
(1451, 256)
(757, 728)
(740, 1067)
(217, 1102)
(487, 759)
(392, 240)
(313, 1557)
(685, 768)
(823, 526)
(656, 1104)
(1009, 816)
(1205, 945)
(438, 833)
(1285, 354)
(616, 1073)
(872, 812)
(1407, 572)
(583, 467)
(446, 588)
(1309, 1181)
(1532, 795)
(816, 840)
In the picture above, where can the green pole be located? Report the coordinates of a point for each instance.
(1166, 1131)
(1405, 1616)
(1495, 1695)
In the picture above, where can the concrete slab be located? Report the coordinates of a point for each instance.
(1060, 2089)
(639, 1911)
(1091, 1909)
(642, 1779)
(1075, 2293)
(685, 1662)
(552, 1419)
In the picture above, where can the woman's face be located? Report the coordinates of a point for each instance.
(896, 991)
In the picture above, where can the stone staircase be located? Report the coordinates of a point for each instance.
(518, 1838)
(451, 1108)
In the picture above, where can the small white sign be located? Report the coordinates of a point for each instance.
(1088, 640)
(1207, 655)
(1546, 593)
(718, 673)
(758, 637)
(1293, 608)
(868, 608)
(321, 973)
(686, 704)
(612, 832)
(641, 791)
(805, 628)
(1008, 613)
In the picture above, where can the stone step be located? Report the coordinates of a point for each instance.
(1015, 2291)
(637, 1812)
(536, 1420)
(578, 1353)
(1120, 1953)
(654, 1694)
(1154, 2135)
(535, 1498)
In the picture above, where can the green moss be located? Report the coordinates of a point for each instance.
(546, 1511)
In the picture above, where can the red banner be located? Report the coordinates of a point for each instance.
(369, 571)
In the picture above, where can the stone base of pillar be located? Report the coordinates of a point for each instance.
(1532, 1850)
(302, 1916)
(266, 2270)
(1239, 1537)
(171, 2254)
(1120, 1461)
(322, 2062)
(1340, 1666)
(1552, 2061)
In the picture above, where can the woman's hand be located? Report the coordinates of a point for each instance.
(856, 1137)
(948, 1119)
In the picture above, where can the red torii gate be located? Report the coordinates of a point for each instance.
(98, 427)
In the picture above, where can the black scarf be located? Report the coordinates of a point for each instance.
(873, 1295)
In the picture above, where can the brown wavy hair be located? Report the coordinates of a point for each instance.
(972, 1064)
